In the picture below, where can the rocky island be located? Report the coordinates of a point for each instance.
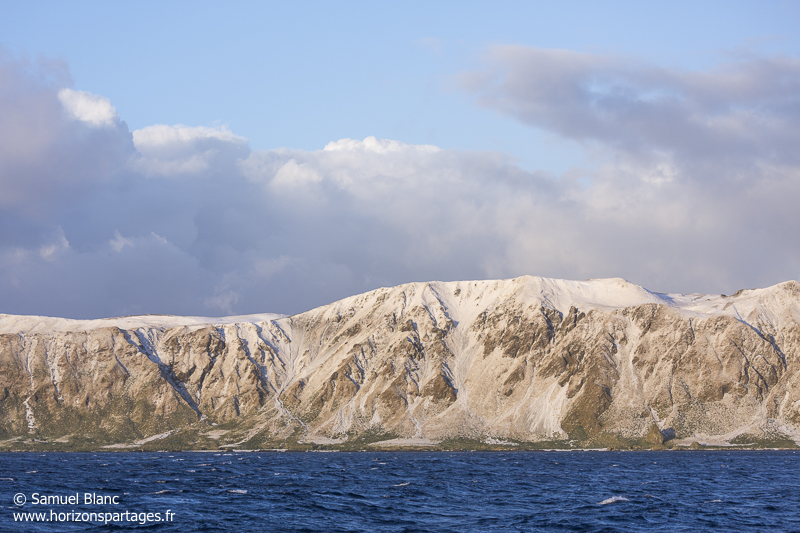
(512, 364)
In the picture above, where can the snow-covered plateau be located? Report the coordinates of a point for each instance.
(526, 361)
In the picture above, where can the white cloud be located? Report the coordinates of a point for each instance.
(176, 150)
(293, 174)
(377, 146)
(370, 168)
(87, 107)
(154, 139)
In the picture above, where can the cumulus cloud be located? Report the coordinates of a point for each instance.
(87, 107)
(47, 157)
(685, 194)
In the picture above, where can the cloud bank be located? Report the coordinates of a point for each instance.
(693, 187)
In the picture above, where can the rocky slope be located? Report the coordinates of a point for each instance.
(528, 360)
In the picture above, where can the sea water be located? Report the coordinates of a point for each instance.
(401, 491)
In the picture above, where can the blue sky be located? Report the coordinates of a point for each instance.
(576, 140)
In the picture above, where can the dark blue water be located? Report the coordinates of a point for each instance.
(437, 492)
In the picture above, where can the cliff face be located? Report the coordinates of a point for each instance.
(523, 360)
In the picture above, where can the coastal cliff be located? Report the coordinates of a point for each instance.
(523, 362)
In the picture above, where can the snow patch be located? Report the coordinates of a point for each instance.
(29, 415)
(16, 324)
(405, 442)
(491, 440)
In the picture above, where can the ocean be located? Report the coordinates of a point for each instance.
(401, 491)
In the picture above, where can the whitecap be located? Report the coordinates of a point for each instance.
(238, 491)
(613, 499)
(402, 484)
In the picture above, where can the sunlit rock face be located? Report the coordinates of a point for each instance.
(522, 360)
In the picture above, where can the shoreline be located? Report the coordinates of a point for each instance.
(414, 449)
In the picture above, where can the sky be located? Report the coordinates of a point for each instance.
(211, 159)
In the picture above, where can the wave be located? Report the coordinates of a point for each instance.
(613, 499)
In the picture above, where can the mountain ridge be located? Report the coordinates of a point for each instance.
(684, 301)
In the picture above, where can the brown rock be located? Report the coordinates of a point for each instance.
(654, 435)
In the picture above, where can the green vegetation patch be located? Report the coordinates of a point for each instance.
(765, 441)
